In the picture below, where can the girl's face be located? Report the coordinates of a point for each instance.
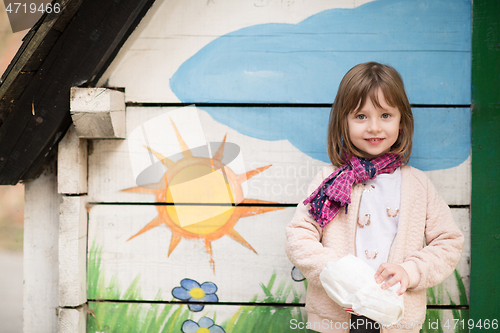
(374, 130)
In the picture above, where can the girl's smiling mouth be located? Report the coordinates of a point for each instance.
(374, 141)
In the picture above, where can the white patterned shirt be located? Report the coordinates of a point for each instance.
(378, 218)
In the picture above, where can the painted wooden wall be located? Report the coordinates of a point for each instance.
(250, 83)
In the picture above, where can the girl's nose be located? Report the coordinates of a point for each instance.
(374, 126)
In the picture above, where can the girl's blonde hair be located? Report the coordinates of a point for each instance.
(360, 83)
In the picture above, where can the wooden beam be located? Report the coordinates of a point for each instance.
(40, 116)
(485, 231)
(41, 268)
(72, 164)
(73, 251)
(98, 113)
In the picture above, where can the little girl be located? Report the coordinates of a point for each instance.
(369, 203)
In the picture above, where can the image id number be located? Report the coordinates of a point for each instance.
(25, 8)
(463, 324)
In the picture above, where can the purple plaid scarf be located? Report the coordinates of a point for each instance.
(335, 191)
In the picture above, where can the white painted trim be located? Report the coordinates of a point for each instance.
(41, 267)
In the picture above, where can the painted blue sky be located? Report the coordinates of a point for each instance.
(427, 41)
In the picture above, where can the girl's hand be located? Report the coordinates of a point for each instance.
(398, 274)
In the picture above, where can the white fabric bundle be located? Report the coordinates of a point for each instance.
(350, 283)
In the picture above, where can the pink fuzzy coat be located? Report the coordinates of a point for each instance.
(424, 217)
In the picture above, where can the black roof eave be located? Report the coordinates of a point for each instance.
(72, 48)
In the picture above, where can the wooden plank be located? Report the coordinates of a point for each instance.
(96, 32)
(72, 251)
(11, 95)
(128, 159)
(41, 267)
(204, 30)
(162, 256)
(237, 257)
(69, 11)
(269, 53)
(485, 154)
(295, 150)
(144, 317)
(138, 317)
(34, 62)
(72, 164)
(454, 184)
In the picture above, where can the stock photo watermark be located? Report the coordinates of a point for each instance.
(24, 14)
(171, 154)
(181, 154)
(430, 324)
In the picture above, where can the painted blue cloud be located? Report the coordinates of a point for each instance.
(427, 41)
(441, 138)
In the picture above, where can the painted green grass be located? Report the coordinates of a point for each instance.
(136, 317)
(95, 278)
(275, 318)
(433, 316)
(109, 316)
(436, 316)
(462, 316)
(126, 317)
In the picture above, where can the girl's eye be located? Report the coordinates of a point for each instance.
(361, 116)
(386, 115)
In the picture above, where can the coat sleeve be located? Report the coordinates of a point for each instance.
(444, 242)
(303, 238)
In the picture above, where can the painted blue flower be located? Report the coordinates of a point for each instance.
(204, 325)
(192, 291)
(297, 275)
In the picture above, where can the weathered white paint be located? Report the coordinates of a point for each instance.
(72, 164)
(175, 30)
(41, 267)
(453, 184)
(113, 167)
(98, 112)
(238, 270)
(72, 251)
(73, 320)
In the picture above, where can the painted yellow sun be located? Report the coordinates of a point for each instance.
(204, 198)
